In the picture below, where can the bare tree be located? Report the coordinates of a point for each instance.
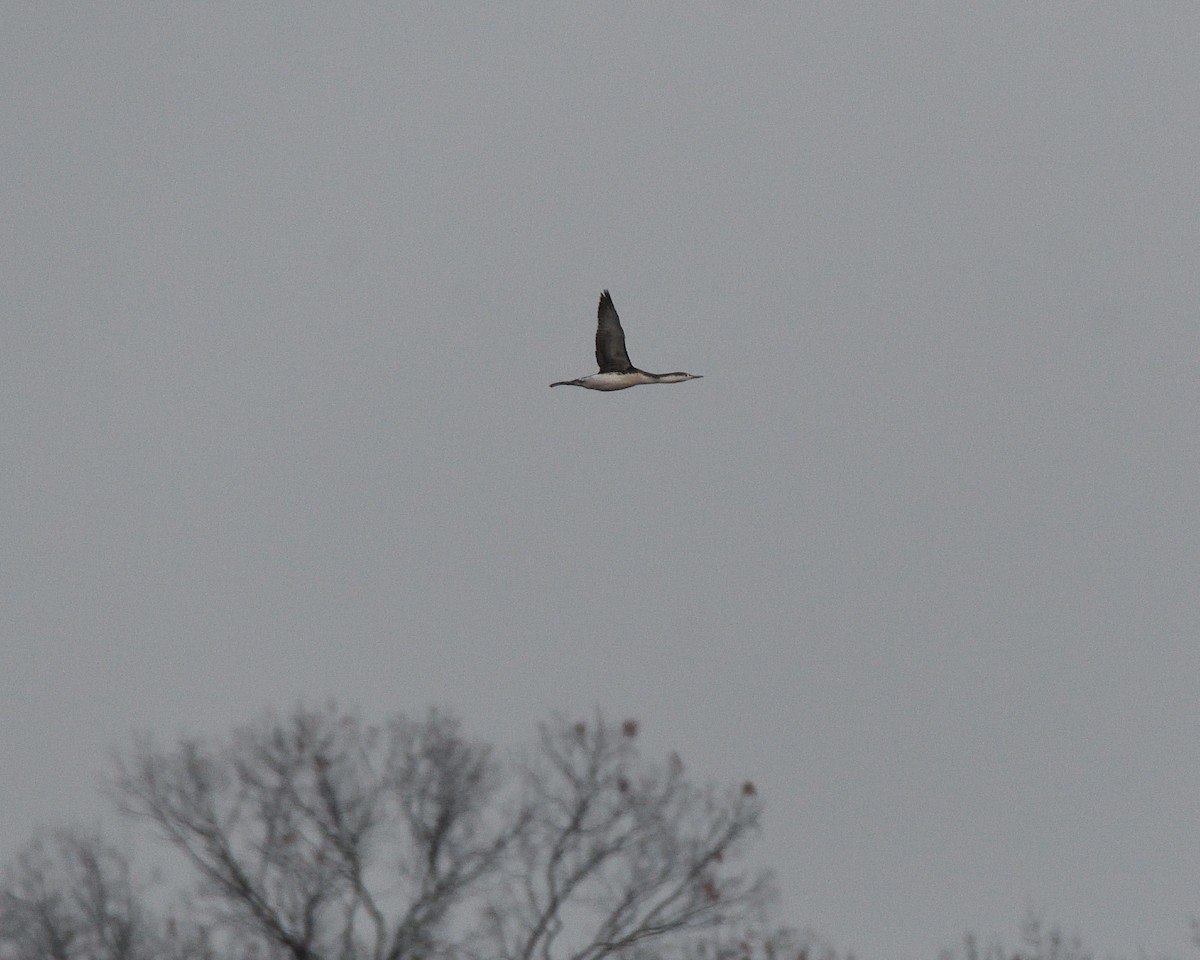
(1039, 941)
(317, 837)
(320, 838)
(70, 896)
(781, 943)
(620, 858)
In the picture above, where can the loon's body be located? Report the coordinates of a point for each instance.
(616, 372)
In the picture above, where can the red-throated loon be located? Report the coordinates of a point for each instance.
(616, 372)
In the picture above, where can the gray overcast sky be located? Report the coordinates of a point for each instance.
(283, 286)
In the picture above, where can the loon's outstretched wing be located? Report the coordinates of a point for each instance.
(611, 356)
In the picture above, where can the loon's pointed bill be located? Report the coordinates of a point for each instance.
(616, 372)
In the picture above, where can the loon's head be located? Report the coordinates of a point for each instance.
(677, 377)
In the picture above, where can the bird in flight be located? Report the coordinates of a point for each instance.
(616, 372)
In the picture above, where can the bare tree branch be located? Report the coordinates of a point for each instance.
(325, 838)
(619, 852)
(70, 896)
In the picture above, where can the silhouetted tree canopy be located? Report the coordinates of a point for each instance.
(318, 837)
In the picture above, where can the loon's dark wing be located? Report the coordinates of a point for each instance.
(610, 339)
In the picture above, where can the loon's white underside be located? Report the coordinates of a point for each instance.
(619, 381)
